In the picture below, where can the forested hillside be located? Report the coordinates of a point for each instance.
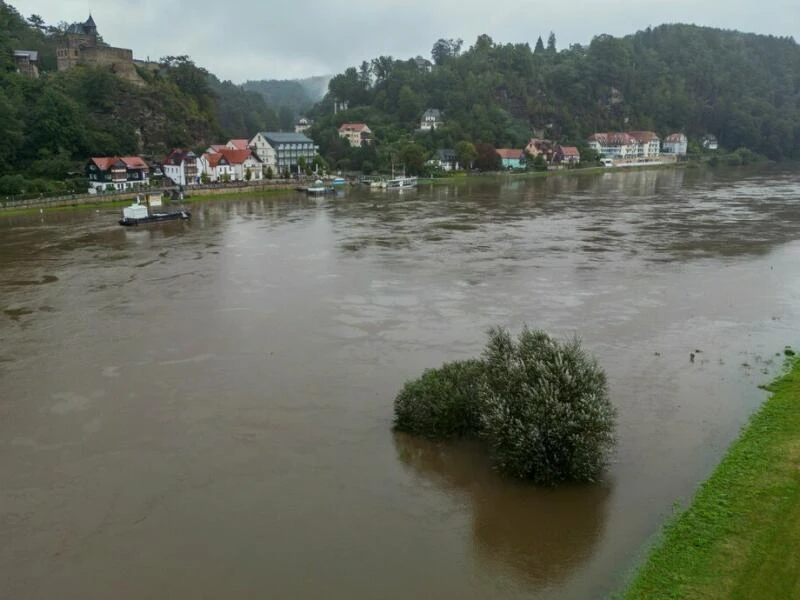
(744, 88)
(291, 98)
(50, 125)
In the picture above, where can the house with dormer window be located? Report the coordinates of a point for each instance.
(118, 173)
(182, 167)
(357, 134)
(431, 119)
(675, 143)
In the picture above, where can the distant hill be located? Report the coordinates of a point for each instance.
(744, 88)
(298, 95)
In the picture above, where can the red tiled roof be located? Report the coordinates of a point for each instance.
(509, 153)
(643, 136)
(213, 158)
(104, 163)
(353, 127)
(217, 147)
(569, 151)
(612, 139)
(240, 144)
(134, 162)
(235, 157)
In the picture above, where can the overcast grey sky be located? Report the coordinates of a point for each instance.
(267, 39)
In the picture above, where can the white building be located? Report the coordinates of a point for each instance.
(117, 173)
(303, 124)
(234, 163)
(431, 119)
(614, 145)
(216, 167)
(675, 143)
(237, 144)
(649, 144)
(182, 167)
(282, 151)
(357, 134)
(634, 145)
(710, 143)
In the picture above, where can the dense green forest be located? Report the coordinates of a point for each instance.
(50, 125)
(743, 88)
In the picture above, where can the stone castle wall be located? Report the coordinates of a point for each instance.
(118, 60)
(105, 56)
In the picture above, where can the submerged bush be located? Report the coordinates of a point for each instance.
(443, 403)
(540, 405)
(545, 412)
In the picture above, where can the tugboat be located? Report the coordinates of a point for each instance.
(138, 213)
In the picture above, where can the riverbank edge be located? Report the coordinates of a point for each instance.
(578, 172)
(195, 195)
(740, 536)
(119, 202)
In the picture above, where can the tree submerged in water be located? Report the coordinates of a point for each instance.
(541, 406)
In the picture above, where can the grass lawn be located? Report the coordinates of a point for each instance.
(740, 538)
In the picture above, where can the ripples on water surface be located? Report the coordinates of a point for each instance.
(204, 409)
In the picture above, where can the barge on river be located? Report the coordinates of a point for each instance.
(138, 213)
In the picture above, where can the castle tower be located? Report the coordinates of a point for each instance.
(90, 29)
(76, 38)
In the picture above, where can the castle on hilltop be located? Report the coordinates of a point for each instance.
(80, 44)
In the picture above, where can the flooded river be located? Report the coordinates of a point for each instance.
(203, 409)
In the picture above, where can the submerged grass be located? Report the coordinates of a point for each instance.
(740, 538)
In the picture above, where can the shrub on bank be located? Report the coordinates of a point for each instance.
(540, 405)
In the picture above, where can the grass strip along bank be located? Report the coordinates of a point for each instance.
(740, 538)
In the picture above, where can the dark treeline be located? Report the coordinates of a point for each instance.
(743, 88)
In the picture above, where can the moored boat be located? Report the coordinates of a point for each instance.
(400, 183)
(138, 213)
(317, 189)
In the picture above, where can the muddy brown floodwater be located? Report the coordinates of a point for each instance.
(203, 410)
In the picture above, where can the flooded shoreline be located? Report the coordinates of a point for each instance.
(204, 409)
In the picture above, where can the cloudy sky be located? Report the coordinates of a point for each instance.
(271, 39)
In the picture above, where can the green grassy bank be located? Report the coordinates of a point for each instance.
(740, 538)
(191, 198)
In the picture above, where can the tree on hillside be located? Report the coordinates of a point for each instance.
(445, 49)
(56, 125)
(539, 49)
(382, 68)
(413, 157)
(365, 75)
(37, 22)
(551, 43)
(465, 154)
(409, 105)
(10, 134)
(487, 158)
(348, 87)
(285, 119)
